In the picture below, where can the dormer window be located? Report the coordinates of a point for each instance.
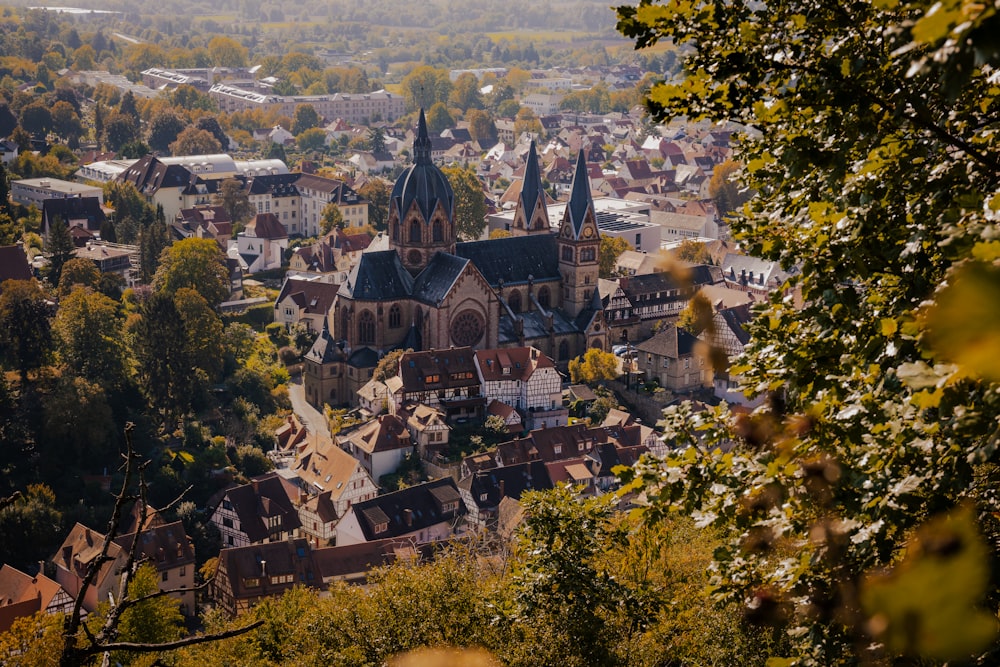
(557, 449)
(381, 527)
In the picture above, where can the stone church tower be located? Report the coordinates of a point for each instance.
(531, 215)
(421, 208)
(579, 244)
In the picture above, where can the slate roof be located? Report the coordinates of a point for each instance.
(514, 258)
(520, 363)
(278, 185)
(264, 563)
(13, 264)
(670, 342)
(422, 183)
(74, 208)
(378, 276)
(507, 482)
(166, 546)
(354, 561)
(454, 367)
(364, 357)
(337, 191)
(409, 510)
(311, 296)
(149, 174)
(438, 277)
(264, 497)
(535, 325)
(266, 226)
(580, 198)
(531, 187)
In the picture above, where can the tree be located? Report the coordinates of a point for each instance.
(25, 330)
(164, 366)
(723, 188)
(695, 252)
(193, 141)
(424, 86)
(481, 127)
(875, 174)
(526, 121)
(59, 247)
(697, 315)
(376, 191)
(119, 129)
(78, 272)
(376, 140)
(439, 119)
(306, 118)
(88, 331)
(195, 263)
(593, 366)
(233, 197)
(227, 52)
(470, 202)
(153, 238)
(607, 256)
(331, 218)
(30, 527)
(164, 129)
(203, 332)
(66, 121)
(36, 118)
(465, 93)
(313, 139)
(211, 125)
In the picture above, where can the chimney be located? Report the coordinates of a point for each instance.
(408, 517)
(263, 568)
(67, 554)
(87, 536)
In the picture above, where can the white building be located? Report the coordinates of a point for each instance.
(34, 191)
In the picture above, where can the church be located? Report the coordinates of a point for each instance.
(428, 291)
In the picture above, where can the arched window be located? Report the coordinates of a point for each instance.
(366, 328)
(395, 317)
(514, 301)
(395, 231)
(415, 231)
(567, 253)
(563, 351)
(597, 344)
(587, 255)
(438, 231)
(543, 297)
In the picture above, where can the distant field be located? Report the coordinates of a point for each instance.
(539, 35)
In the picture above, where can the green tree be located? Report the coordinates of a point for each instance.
(376, 140)
(59, 248)
(376, 192)
(470, 202)
(203, 332)
(233, 197)
(313, 139)
(211, 125)
(78, 427)
(593, 366)
(154, 620)
(25, 329)
(164, 129)
(306, 118)
(66, 121)
(153, 238)
(439, 119)
(88, 331)
(36, 118)
(876, 175)
(697, 315)
(118, 130)
(196, 263)
(193, 141)
(78, 272)
(163, 364)
(481, 127)
(607, 256)
(30, 527)
(424, 86)
(331, 218)
(465, 93)
(227, 52)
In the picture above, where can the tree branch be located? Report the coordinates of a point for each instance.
(134, 647)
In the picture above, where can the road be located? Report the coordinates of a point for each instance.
(310, 417)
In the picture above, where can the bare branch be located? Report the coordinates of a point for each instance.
(133, 647)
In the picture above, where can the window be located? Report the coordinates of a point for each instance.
(163, 576)
(638, 240)
(687, 363)
(414, 231)
(514, 301)
(438, 231)
(381, 527)
(183, 570)
(395, 317)
(251, 582)
(543, 297)
(587, 255)
(557, 449)
(483, 497)
(567, 254)
(366, 328)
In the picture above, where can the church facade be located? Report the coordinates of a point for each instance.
(428, 291)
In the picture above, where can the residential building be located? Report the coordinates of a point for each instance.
(428, 429)
(25, 595)
(169, 549)
(525, 379)
(380, 445)
(428, 512)
(249, 574)
(34, 191)
(316, 192)
(483, 491)
(261, 246)
(79, 550)
(354, 108)
(669, 358)
(304, 303)
(440, 378)
(260, 511)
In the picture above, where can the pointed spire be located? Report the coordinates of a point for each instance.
(531, 188)
(580, 199)
(422, 144)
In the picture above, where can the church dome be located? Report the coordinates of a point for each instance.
(422, 182)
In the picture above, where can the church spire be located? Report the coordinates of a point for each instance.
(532, 185)
(580, 199)
(422, 144)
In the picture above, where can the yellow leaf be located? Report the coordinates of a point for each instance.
(964, 325)
(927, 605)
(987, 251)
(889, 327)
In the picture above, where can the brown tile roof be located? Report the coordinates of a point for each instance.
(515, 363)
(23, 595)
(166, 546)
(80, 548)
(14, 264)
(267, 496)
(266, 226)
(382, 434)
(327, 467)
